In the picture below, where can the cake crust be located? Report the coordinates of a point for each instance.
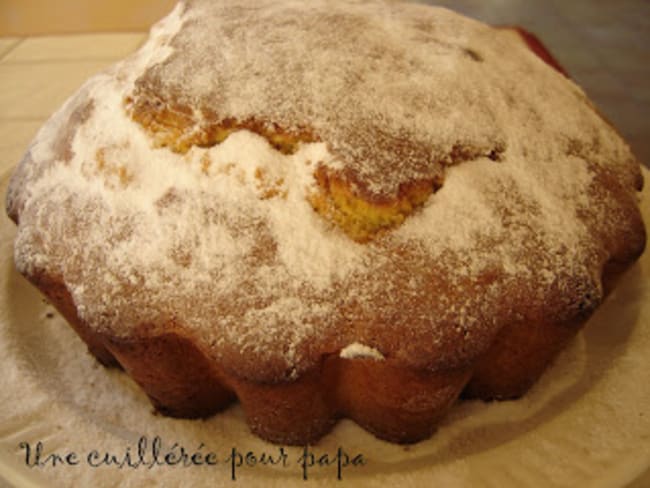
(223, 229)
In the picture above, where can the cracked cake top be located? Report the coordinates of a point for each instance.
(209, 181)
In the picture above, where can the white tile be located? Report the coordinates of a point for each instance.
(34, 91)
(15, 136)
(636, 86)
(624, 112)
(627, 115)
(633, 59)
(617, 36)
(641, 148)
(7, 44)
(599, 83)
(629, 15)
(75, 47)
(577, 59)
(562, 41)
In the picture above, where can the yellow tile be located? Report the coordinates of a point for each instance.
(7, 43)
(15, 136)
(35, 90)
(75, 47)
(29, 17)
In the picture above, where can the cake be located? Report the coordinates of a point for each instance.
(326, 209)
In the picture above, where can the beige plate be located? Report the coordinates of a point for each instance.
(586, 423)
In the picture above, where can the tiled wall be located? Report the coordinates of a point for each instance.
(40, 17)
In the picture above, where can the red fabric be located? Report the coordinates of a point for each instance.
(535, 45)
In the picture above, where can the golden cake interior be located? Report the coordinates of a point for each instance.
(360, 215)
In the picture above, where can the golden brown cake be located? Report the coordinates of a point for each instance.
(326, 209)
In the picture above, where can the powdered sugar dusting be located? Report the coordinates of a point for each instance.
(368, 91)
(356, 350)
(222, 241)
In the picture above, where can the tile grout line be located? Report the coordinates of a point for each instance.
(24, 118)
(106, 57)
(13, 46)
(27, 62)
